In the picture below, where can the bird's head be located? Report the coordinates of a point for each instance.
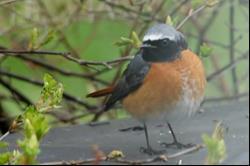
(162, 43)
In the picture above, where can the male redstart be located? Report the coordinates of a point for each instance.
(163, 77)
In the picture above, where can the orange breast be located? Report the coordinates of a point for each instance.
(169, 85)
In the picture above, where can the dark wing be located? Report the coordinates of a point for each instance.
(131, 80)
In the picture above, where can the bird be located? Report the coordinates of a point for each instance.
(164, 77)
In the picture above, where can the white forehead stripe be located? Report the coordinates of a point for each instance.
(157, 36)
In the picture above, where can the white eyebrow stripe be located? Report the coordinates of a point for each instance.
(156, 36)
(152, 37)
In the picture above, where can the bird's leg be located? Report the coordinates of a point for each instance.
(149, 150)
(175, 142)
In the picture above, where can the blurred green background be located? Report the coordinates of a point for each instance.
(89, 28)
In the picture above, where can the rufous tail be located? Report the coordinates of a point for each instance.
(101, 93)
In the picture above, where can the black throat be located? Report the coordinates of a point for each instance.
(160, 55)
(163, 50)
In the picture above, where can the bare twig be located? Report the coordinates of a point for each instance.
(228, 66)
(15, 92)
(177, 8)
(145, 16)
(61, 71)
(191, 14)
(163, 158)
(39, 83)
(6, 2)
(229, 98)
(68, 56)
(4, 136)
(231, 50)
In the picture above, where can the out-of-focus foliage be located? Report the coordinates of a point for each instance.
(134, 41)
(88, 30)
(37, 42)
(205, 50)
(35, 125)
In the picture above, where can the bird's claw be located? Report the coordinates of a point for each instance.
(151, 151)
(177, 145)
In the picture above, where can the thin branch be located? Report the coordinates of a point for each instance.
(33, 52)
(231, 50)
(222, 45)
(7, 2)
(228, 66)
(61, 71)
(162, 158)
(38, 83)
(145, 16)
(229, 98)
(177, 8)
(4, 136)
(18, 77)
(207, 25)
(62, 36)
(68, 56)
(191, 14)
(15, 92)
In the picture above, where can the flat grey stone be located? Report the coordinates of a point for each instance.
(75, 142)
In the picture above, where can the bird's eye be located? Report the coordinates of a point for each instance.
(165, 41)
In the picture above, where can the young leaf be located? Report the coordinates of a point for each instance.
(5, 158)
(211, 3)
(169, 20)
(115, 154)
(136, 40)
(123, 42)
(35, 123)
(205, 50)
(30, 148)
(51, 94)
(33, 39)
(215, 145)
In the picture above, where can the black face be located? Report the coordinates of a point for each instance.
(162, 50)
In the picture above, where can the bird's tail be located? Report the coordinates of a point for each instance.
(102, 92)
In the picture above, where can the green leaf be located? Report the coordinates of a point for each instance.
(136, 41)
(5, 158)
(169, 21)
(124, 42)
(3, 144)
(35, 122)
(33, 39)
(51, 94)
(215, 145)
(30, 149)
(205, 50)
(211, 3)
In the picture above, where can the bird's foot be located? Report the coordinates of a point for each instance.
(177, 145)
(151, 151)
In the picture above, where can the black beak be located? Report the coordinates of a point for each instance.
(146, 45)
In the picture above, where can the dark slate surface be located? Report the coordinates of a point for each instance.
(75, 142)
